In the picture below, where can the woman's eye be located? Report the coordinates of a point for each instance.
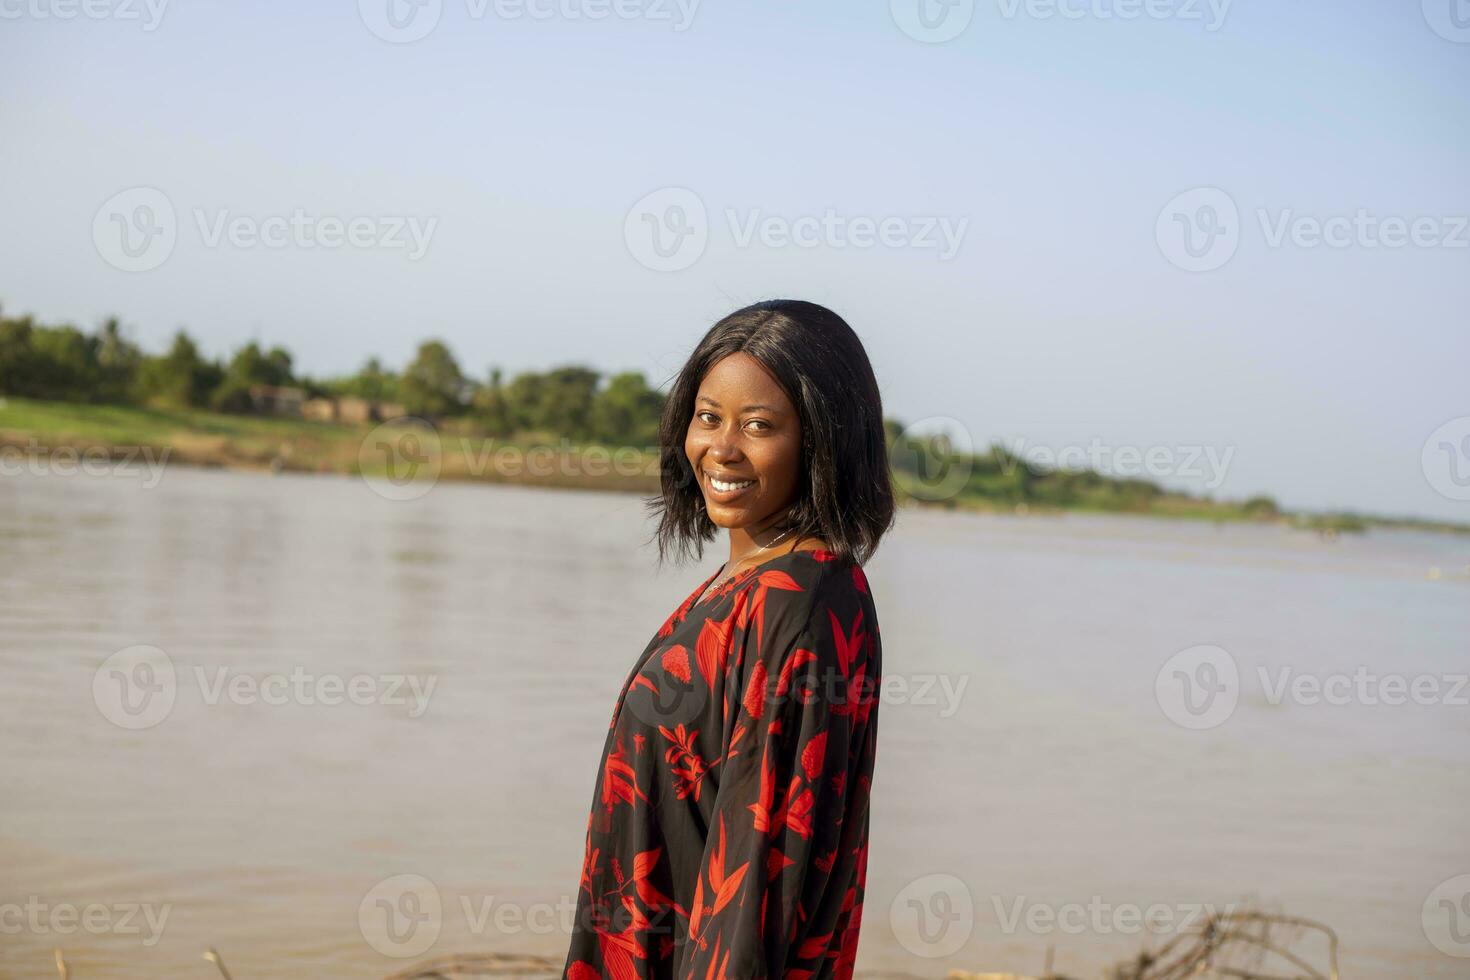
(702, 416)
(760, 422)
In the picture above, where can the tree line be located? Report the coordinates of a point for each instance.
(63, 363)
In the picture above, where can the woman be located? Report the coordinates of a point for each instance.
(729, 832)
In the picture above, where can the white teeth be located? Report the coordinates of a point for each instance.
(724, 487)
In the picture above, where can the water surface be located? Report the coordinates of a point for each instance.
(1044, 775)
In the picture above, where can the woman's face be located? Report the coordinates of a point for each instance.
(744, 431)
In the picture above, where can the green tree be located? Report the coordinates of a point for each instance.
(118, 362)
(433, 386)
(558, 401)
(523, 399)
(492, 407)
(627, 411)
(64, 365)
(17, 357)
(250, 367)
(566, 401)
(181, 377)
(374, 383)
(1261, 508)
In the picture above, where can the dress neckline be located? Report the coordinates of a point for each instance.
(698, 597)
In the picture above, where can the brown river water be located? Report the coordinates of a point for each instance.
(330, 734)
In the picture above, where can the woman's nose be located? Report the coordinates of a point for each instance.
(724, 446)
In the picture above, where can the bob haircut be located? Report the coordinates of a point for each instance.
(844, 492)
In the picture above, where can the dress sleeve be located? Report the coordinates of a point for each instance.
(780, 887)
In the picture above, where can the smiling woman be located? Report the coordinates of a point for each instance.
(782, 394)
(729, 831)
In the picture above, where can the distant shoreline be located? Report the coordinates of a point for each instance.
(38, 430)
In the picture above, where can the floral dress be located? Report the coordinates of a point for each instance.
(728, 836)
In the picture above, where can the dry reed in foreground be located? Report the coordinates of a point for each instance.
(1227, 946)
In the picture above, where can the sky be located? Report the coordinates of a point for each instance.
(1226, 239)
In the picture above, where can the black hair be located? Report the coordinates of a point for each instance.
(844, 492)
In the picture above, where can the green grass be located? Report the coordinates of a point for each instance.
(248, 441)
(131, 425)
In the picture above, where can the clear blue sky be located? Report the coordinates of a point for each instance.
(1059, 321)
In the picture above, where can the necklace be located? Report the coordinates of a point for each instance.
(765, 547)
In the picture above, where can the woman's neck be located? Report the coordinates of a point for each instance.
(763, 539)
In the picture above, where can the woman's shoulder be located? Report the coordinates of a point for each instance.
(806, 586)
(818, 609)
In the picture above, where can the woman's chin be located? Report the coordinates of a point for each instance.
(728, 518)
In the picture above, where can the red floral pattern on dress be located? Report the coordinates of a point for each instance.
(728, 836)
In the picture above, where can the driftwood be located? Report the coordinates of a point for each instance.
(1236, 945)
(1233, 946)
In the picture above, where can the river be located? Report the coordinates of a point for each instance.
(361, 689)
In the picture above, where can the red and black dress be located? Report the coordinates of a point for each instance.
(729, 831)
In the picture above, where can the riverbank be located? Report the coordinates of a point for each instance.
(39, 430)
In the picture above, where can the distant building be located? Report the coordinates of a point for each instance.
(350, 410)
(355, 411)
(277, 400)
(320, 410)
